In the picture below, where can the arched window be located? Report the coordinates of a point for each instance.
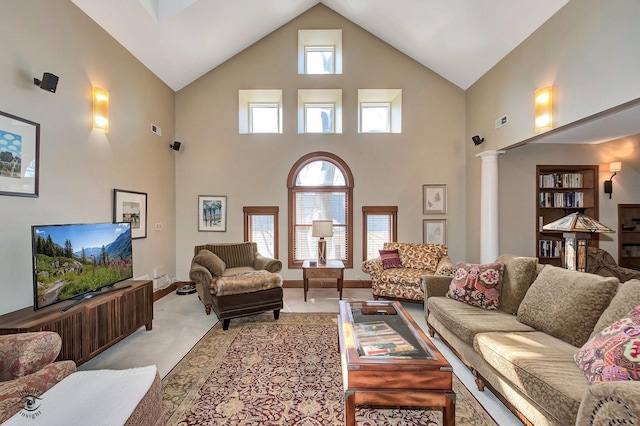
(320, 186)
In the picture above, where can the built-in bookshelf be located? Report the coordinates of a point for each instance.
(561, 190)
(629, 235)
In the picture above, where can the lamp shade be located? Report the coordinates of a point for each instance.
(577, 222)
(322, 228)
(615, 167)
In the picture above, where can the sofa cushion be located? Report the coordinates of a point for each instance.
(477, 285)
(418, 256)
(614, 353)
(519, 273)
(465, 321)
(540, 366)
(390, 259)
(210, 261)
(627, 297)
(566, 304)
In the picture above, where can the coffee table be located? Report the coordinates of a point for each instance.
(388, 361)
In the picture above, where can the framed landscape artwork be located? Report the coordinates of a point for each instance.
(19, 156)
(434, 231)
(212, 213)
(130, 206)
(434, 199)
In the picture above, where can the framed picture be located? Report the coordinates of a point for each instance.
(19, 156)
(130, 206)
(434, 199)
(434, 231)
(212, 213)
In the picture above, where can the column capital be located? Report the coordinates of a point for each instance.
(490, 153)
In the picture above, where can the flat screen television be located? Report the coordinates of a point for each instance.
(77, 260)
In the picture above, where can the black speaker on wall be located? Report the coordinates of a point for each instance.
(477, 140)
(175, 146)
(49, 82)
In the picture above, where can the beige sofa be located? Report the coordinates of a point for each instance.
(404, 283)
(524, 351)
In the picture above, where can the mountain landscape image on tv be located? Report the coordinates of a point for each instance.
(73, 260)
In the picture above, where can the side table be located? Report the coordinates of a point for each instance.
(333, 269)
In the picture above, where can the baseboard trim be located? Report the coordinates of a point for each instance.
(159, 294)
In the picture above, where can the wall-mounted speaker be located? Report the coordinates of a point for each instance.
(49, 82)
(175, 146)
(477, 140)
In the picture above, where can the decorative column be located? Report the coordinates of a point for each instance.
(489, 235)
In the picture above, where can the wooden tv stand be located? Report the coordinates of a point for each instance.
(92, 326)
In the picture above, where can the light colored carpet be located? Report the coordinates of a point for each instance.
(285, 372)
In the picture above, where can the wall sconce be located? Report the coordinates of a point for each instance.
(614, 167)
(543, 109)
(100, 109)
(321, 229)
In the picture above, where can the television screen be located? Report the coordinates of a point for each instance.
(70, 261)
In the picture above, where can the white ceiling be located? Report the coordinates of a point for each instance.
(180, 40)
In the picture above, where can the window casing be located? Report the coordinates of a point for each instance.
(259, 111)
(261, 227)
(264, 117)
(379, 110)
(320, 186)
(379, 225)
(320, 51)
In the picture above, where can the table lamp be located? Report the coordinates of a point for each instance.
(321, 229)
(577, 229)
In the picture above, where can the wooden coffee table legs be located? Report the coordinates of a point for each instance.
(396, 398)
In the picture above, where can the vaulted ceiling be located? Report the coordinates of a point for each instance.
(180, 40)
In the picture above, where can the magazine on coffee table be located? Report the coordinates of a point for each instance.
(379, 339)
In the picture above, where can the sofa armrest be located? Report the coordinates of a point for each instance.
(445, 267)
(13, 392)
(202, 277)
(268, 264)
(434, 286)
(26, 353)
(372, 267)
(609, 403)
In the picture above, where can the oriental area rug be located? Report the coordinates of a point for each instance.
(285, 372)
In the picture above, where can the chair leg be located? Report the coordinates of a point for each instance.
(207, 308)
(225, 324)
(276, 314)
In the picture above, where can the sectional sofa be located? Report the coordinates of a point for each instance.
(542, 344)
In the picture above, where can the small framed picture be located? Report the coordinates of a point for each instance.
(19, 152)
(130, 206)
(434, 231)
(434, 199)
(212, 213)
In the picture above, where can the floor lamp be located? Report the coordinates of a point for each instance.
(322, 229)
(576, 230)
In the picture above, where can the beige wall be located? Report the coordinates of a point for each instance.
(388, 169)
(517, 182)
(588, 52)
(79, 166)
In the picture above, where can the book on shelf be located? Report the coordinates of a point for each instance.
(377, 338)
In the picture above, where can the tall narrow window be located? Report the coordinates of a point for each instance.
(261, 227)
(320, 187)
(380, 225)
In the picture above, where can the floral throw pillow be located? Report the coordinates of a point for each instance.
(390, 259)
(614, 353)
(477, 285)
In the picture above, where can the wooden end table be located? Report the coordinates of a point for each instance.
(333, 269)
(417, 375)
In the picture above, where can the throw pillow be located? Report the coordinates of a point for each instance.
(519, 273)
(210, 261)
(566, 304)
(477, 285)
(626, 298)
(418, 255)
(614, 353)
(390, 259)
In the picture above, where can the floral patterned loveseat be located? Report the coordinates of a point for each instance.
(402, 280)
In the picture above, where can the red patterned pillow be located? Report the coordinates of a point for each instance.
(477, 285)
(614, 353)
(390, 259)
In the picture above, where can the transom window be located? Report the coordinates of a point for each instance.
(319, 59)
(320, 188)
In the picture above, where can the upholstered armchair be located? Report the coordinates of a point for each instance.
(27, 368)
(212, 261)
(402, 279)
(600, 262)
